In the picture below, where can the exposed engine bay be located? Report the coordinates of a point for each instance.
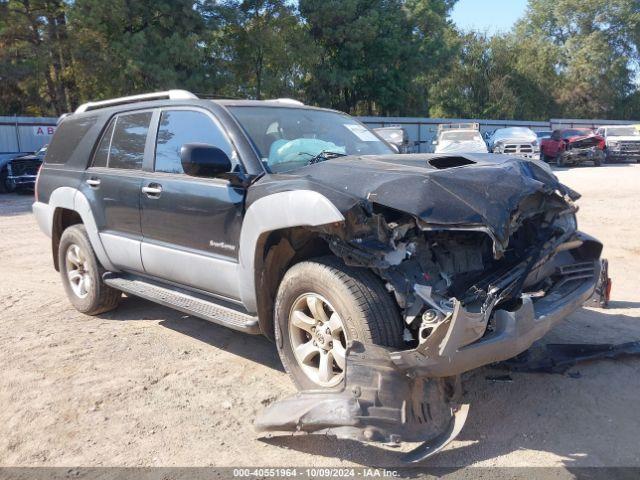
(430, 271)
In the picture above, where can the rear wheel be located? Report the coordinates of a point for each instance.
(82, 274)
(323, 304)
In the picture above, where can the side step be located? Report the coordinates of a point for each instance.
(216, 311)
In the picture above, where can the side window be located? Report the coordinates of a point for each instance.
(178, 127)
(129, 138)
(102, 153)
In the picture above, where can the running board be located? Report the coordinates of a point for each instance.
(185, 301)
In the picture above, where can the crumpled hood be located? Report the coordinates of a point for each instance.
(484, 193)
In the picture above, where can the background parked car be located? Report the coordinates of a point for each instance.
(460, 138)
(20, 172)
(622, 142)
(520, 141)
(572, 146)
(543, 134)
(396, 136)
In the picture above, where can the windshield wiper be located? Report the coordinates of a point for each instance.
(322, 156)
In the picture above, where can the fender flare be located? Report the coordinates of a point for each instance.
(297, 208)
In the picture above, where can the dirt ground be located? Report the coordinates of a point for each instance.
(146, 385)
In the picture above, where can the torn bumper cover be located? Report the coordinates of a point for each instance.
(378, 403)
(498, 334)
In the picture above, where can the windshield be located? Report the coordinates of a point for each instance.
(622, 132)
(462, 136)
(583, 132)
(290, 138)
(543, 134)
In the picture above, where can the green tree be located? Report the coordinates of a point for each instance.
(364, 64)
(35, 57)
(596, 51)
(132, 46)
(265, 47)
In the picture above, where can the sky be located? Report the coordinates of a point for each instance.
(492, 16)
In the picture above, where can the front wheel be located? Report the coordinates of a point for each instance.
(4, 181)
(561, 161)
(82, 274)
(320, 306)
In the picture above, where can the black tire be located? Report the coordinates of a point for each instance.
(3, 180)
(560, 161)
(99, 297)
(597, 161)
(368, 311)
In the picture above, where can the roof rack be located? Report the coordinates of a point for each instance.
(459, 126)
(145, 97)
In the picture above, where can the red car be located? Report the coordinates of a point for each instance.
(573, 146)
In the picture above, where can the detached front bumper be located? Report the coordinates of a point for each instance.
(579, 155)
(513, 331)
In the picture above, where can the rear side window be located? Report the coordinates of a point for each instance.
(178, 127)
(68, 136)
(102, 153)
(122, 144)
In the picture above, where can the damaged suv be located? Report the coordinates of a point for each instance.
(380, 277)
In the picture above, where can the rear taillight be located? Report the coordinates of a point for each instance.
(35, 188)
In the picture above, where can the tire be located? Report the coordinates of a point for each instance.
(597, 161)
(3, 180)
(90, 294)
(560, 161)
(366, 310)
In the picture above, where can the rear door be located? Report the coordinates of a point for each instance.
(112, 185)
(191, 226)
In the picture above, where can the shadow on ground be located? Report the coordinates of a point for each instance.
(527, 414)
(13, 204)
(255, 348)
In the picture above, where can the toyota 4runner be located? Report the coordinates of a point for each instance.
(380, 277)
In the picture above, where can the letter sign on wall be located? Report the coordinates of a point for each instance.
(41, 130)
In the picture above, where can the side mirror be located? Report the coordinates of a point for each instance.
(202, 160)
(435, 142)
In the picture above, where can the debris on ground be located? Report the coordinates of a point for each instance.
(560, 357)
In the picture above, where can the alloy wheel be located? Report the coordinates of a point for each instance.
(318, 339)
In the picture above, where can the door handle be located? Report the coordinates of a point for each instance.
(93, 182)
(152, 190)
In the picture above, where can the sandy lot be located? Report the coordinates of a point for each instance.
(146, 385)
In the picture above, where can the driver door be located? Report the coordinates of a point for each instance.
(190, 226)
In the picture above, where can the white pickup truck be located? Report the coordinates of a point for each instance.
(460, 138)
(622, 142)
